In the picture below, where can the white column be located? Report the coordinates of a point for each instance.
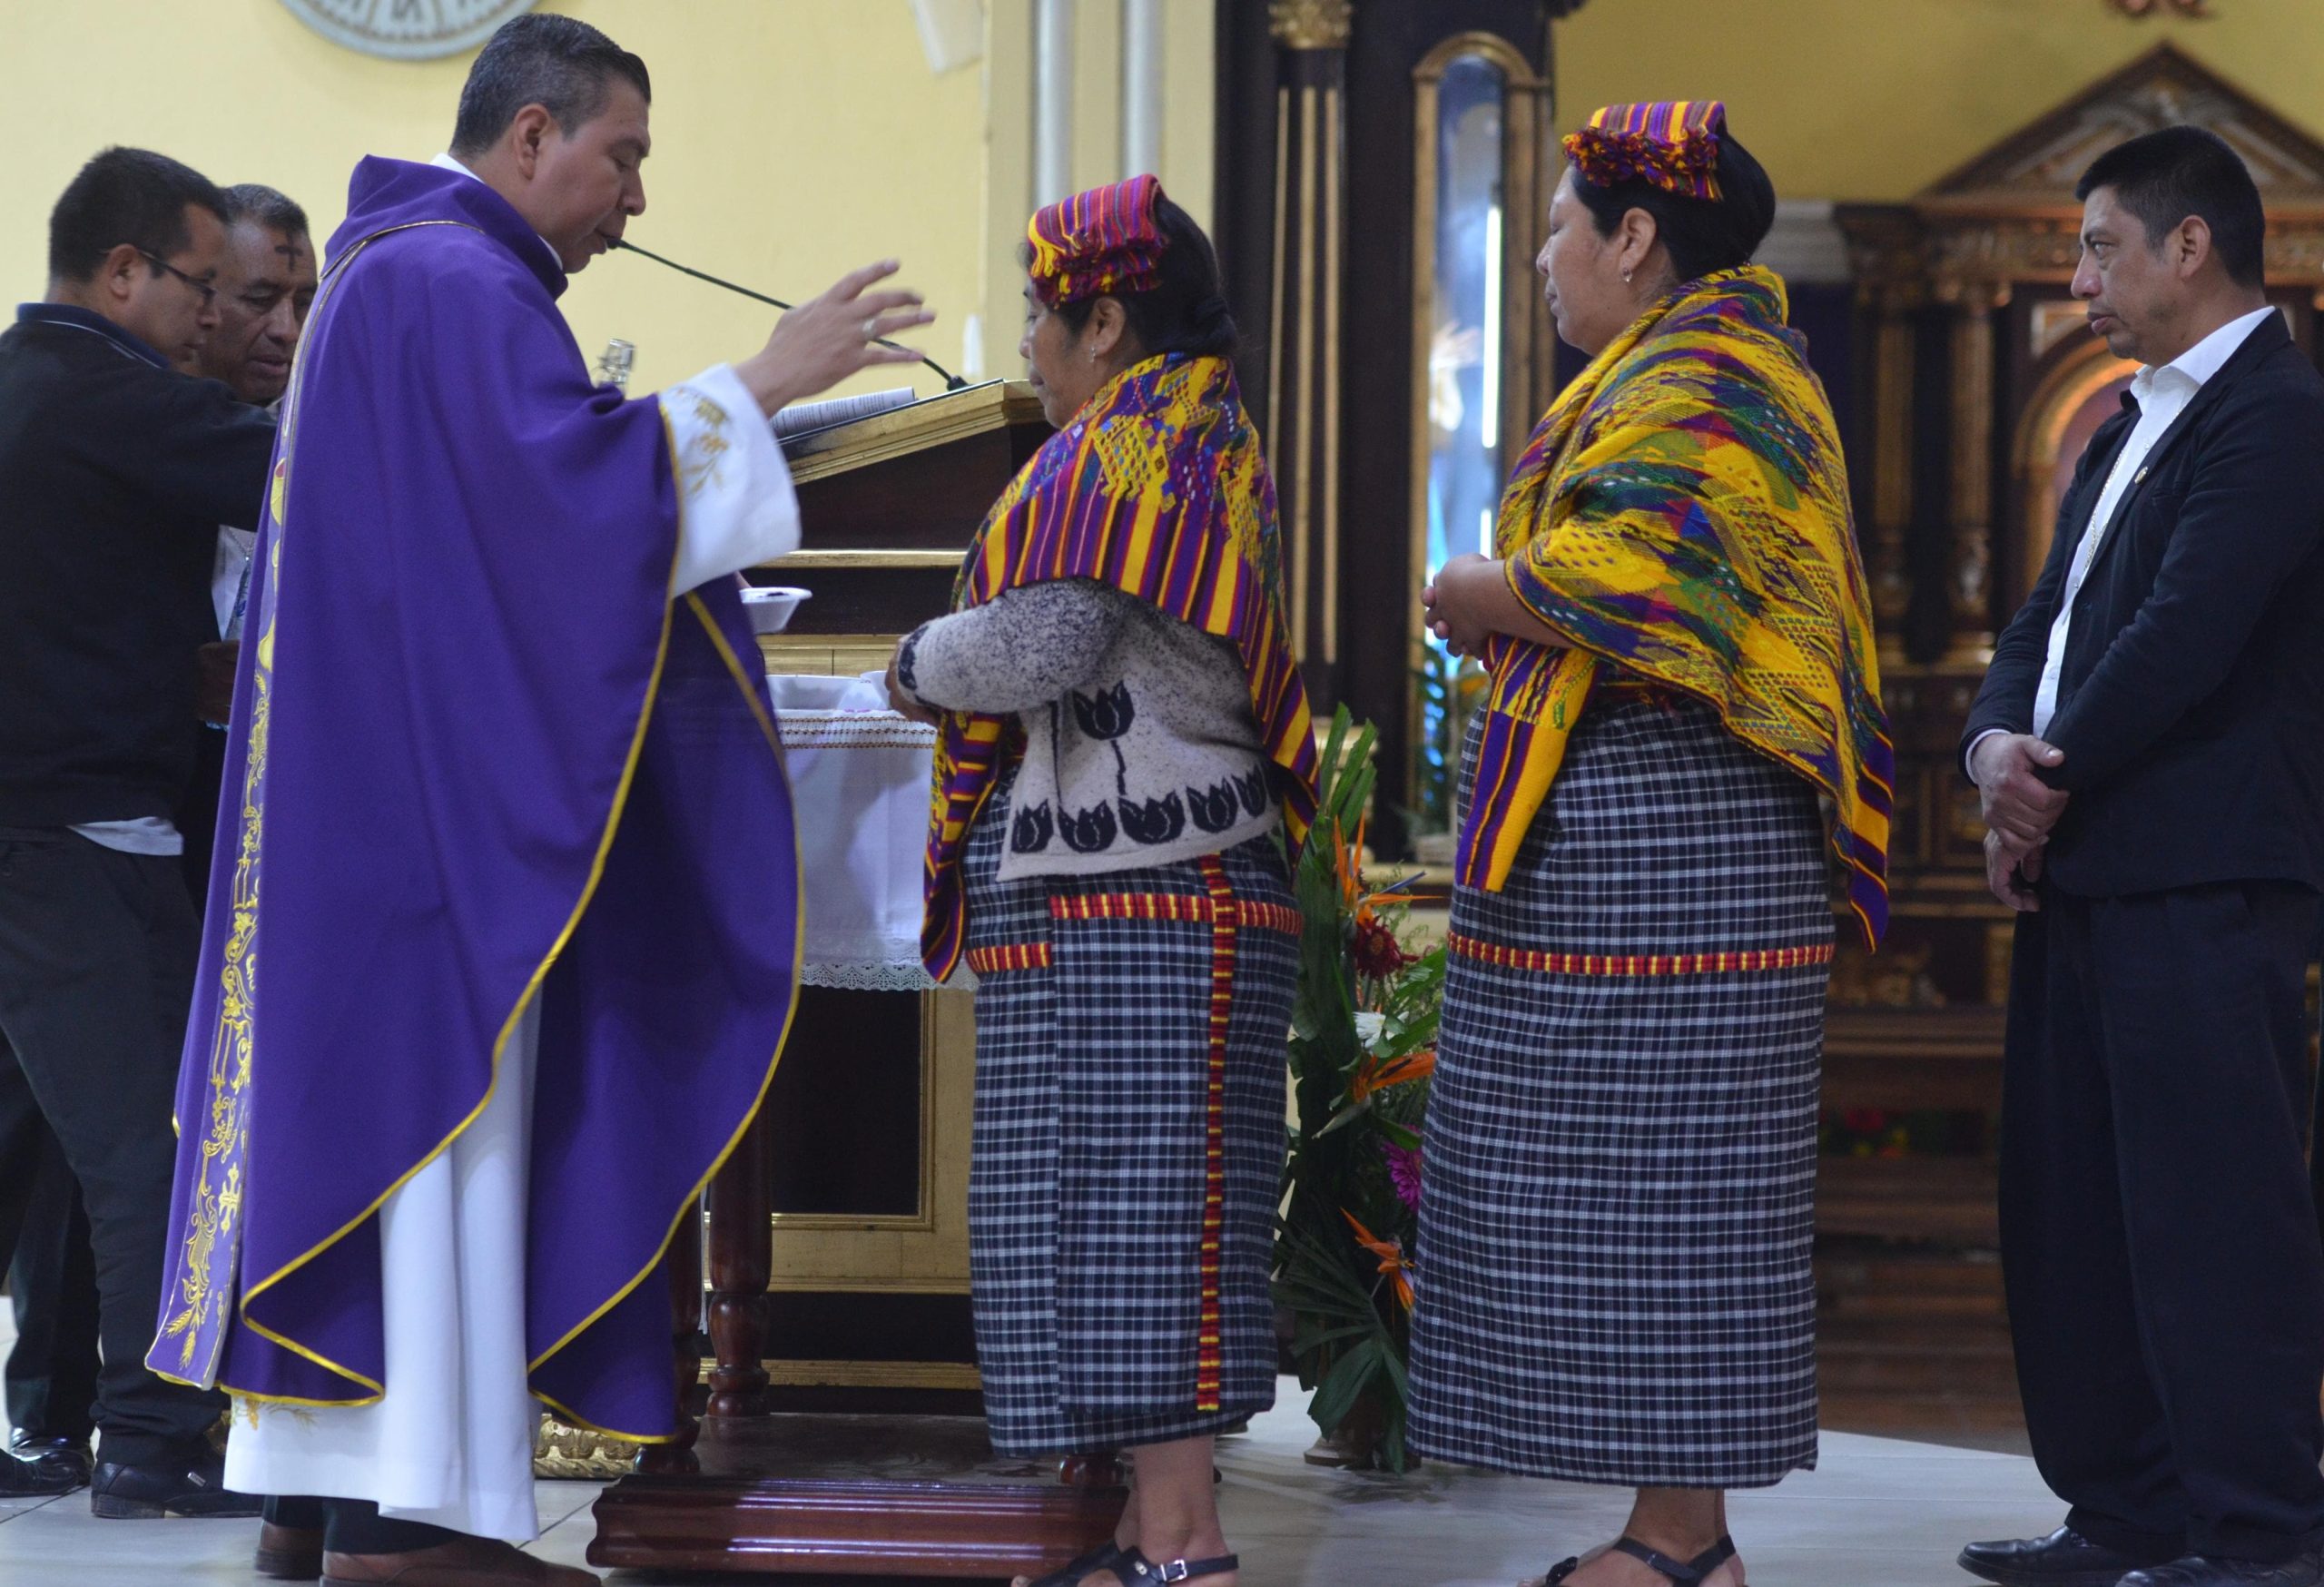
(1142, 55)
(1052, 100)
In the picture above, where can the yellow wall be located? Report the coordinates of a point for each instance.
(1876, 99)
(1188, 133)
(797, 138)
(794, 140)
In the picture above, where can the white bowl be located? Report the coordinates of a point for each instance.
(770, 606)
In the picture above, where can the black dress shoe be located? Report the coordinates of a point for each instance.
(2197, 1571)
(21, 1479)
(190, 1486)
(2063, 1558)
(63, 1459)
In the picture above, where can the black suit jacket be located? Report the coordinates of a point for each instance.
(2190, 705)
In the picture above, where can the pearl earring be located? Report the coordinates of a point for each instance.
(1626, 278)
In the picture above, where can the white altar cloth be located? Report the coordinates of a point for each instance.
(859, 783)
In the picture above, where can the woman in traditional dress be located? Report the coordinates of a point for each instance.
(1123, 736)
(1620, 1161)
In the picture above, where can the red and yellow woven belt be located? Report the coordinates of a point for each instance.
(1637, 964)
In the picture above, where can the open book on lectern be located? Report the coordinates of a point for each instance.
(801, 419)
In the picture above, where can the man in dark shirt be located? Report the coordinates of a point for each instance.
(115, 473)
(266, 282)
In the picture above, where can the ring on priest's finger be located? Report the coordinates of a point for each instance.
(870, 331)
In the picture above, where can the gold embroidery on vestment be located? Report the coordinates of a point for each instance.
(210, 1219)
(704, 446)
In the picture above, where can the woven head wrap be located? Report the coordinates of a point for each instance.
(1673, 145)
(1097, 243)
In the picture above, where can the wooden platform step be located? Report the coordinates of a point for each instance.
(1949, 1201)
(837, 1497)
(1993, 1422)
(1942, 1355)
(1946, 1058)
(1857, 1280)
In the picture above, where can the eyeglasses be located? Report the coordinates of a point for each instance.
(207, 292)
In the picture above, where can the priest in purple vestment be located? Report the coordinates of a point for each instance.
(503, 931)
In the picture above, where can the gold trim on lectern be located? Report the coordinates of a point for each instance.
(901, 431)
(948, 560)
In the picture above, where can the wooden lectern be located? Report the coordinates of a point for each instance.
(838, 1250)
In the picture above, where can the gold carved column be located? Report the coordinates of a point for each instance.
(1303, 398)
(1891, 288)
(1892, 476)
(1975, 303)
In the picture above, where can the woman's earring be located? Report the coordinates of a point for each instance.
(1626, 278)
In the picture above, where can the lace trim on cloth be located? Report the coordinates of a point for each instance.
(909, 977)
(854, 730)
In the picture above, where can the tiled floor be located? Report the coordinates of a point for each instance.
(1881, 1512)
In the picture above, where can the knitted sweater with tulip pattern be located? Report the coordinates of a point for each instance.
(1141, 747)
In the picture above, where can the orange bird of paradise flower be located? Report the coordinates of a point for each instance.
(1348, 859)
(1392, 1261)
(1377, 1074)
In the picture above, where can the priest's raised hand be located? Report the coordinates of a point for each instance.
(828, 338)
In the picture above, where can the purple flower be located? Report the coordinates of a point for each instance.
(1404, 1172)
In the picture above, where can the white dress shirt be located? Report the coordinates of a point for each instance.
(2161, 395)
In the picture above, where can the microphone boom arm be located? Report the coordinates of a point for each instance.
(953, 382)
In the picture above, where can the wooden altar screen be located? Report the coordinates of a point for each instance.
(838, 1275)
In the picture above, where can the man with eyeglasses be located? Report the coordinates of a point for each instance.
(115, 471)
(265, 282)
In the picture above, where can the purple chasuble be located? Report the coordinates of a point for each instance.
(481, 759)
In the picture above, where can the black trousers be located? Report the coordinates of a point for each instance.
(52, 1371)
(197, 816)
(97, 952)
(2159, 1238)
(355, 1526)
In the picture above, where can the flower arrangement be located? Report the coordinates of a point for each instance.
(1362, 1045)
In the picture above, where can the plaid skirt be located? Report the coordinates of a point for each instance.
(1618, 1172)
(1129, 1142)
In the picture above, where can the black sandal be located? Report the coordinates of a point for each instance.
(1070, 1573)
(1687, 1575)
(1134, 1568)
